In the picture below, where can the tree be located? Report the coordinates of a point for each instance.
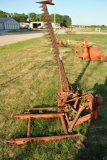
(33, 17)
(19, 17)
(41, 17)
(52, 17)
(58, 18)
(66, 21)
(63, 20)
(3, 14)
(103, 26)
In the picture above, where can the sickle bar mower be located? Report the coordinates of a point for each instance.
(73, 108)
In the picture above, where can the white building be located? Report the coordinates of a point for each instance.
(34, 25)
(56, 25)
(24, 25)
(9, 23)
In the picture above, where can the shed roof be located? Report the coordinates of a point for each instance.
(3, 20)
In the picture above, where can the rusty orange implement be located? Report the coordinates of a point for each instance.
(73, 108)
(91, 53)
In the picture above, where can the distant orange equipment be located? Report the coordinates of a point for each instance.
(91, 53)
(62, 43)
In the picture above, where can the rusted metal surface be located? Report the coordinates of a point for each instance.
(36, 116)
(91, 53)
(29, 126)
(20, 141)
(65, 86)
(45, 116)
(81, 108)
(61, 42)
(73, 108)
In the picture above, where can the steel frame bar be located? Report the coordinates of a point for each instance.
(81, 120)
(81, 108)
(20, 141)
(36, 116)
(28, 128)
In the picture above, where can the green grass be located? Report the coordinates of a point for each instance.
(28, 78)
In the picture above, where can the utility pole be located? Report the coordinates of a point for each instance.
(54, 14)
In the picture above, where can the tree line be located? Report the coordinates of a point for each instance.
(64, 20)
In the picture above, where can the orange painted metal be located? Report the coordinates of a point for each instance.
(81, 108)
(42, 115)
(91, 53)
(83, 119)
(62, 43)
(20, 141)
(36, 116)
(72, 106)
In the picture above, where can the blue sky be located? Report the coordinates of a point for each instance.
(82, 12)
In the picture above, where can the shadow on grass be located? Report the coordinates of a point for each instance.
(82, 73)
(94, 144)
(11, 80)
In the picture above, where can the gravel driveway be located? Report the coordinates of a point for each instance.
(8, 38)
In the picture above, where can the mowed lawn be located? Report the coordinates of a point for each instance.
(29, 78)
